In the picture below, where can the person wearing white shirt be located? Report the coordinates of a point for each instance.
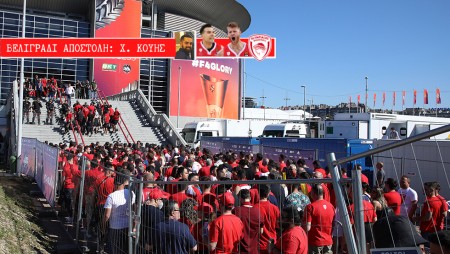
(409, 198)
(117, 213)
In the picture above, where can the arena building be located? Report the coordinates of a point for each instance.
(86, 18)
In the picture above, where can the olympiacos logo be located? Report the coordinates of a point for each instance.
(260, 46)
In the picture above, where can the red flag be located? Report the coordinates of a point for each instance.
(415, 97)
(403, 97)
(384, 97)
(425, 96)
(438, 96)
(359, 98)
(393, 98)
(374, 99)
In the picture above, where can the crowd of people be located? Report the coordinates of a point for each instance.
(183, 209)
(96, 117)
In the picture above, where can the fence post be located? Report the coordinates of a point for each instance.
(137, 218)
(345, 219)
(359, 210)
(80, 198)
(130, 215)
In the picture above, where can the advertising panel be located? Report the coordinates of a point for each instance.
(27, 160)
(294, 154)
(208, 88)
(123, 21)
(49, 172)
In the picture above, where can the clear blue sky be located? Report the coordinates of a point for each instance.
(330, 46)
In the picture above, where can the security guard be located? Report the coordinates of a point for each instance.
(50, 111)
(26, 110)
(37, 111)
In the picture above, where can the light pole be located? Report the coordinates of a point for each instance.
(365, 104)
(263, 97)
(286, 99)
(304, 103)
(21, 81)
(179, 95)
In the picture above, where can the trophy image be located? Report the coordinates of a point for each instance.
(214, 90)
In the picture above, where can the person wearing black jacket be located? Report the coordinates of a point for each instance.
(37, 105)
(26, 109)
(50, 111)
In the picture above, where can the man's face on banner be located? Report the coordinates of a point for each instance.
(208, 35)
(234, 33)
(186, 44)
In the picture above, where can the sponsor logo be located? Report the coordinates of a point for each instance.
(109, 67)
(126, 68)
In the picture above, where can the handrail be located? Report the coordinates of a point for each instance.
(120, 119)
(126, 138)
(157, 120)
(79, 132)
(73, 132)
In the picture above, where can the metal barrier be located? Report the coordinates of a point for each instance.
(159, 120)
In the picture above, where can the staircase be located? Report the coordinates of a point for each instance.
(134, 119)
(52, 133)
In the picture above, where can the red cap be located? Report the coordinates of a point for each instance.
(157, 194)
(210, 199)
(226, 199)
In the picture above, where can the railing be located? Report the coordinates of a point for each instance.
(158, 120)
(101, 95)
(80, 133)
(73, 132)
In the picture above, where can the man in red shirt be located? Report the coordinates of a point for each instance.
(236, 47)
(69, 185)
(294, 239)
(430, 217)
(253, 223)
(180, 196)
(318, 219)
(207, 46)
(205, 170)
(226, 231)
(393, 198)
(270, 214)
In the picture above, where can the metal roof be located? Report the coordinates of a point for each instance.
(216, 12)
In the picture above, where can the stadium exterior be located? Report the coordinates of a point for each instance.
(63, 18)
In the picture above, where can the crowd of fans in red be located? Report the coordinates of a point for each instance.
(184, 210)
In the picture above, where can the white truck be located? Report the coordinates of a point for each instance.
(287, 129)
(194, 131)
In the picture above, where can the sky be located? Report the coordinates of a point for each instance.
(331, 46)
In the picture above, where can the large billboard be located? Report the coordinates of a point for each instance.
(120, 21)
(208, 88)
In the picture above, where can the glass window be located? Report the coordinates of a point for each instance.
(11, 15)
(53, 33)
(70, 34)
(41, 19)
(70, 23)
(56, 26)
(41, 31)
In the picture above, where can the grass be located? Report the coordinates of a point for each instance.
(19, 232)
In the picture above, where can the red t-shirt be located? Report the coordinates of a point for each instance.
(179, 197)
(204, 171)
(393, 200)
(444, 208)
(90, 178)
(262, 168)
(433, 205)
(227, 51)
(104, 186)
(203, 51)
(364, 179)
(293, 241)
(270, 213)
(320, 214)
(198, 232)
(282, 166)
(252, 226)
(226, 231)
(321, 170)
(68, 175)
(369, 212)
